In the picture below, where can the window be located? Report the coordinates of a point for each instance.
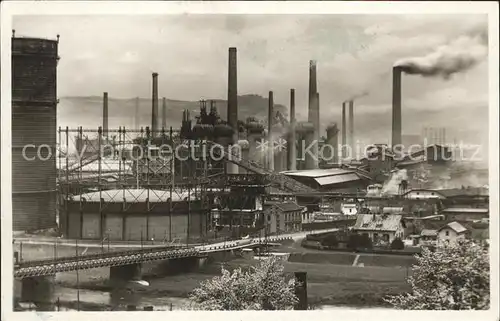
(418, 193)
(447, 233)
(386, 237)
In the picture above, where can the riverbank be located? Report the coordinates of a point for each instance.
(328, 284)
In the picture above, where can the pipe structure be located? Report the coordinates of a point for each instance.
(164, 114)
(313, 114)
(352, 142)
(232, 104)
(137, 121)
(232, 91)
(292, 135)
(154, 114)
(344, 132)
(270, 138)
(396, 106)
(105, 115)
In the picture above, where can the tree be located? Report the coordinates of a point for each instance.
(397, 244)
(263, 287)
(453, 277)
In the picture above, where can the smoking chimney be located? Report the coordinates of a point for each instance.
(232, 92)
(270, 139)
(164, 114)
(292, 148)
(396, 105)
(344, 137)
(352, 142)
(154, 114)
(105, 115)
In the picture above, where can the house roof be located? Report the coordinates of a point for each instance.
(428, 232)
(370, 222)
(465, 210)
(288, 206)
(457, 227)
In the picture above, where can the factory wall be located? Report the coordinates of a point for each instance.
(134, 222)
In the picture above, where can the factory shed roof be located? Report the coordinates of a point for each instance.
(337, 179)
(474, 191)
(465, 210)
(370, 222)
(288, 206)
(317, 172)
(457, 227)
(133, 196)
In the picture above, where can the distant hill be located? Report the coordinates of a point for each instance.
(87, 111)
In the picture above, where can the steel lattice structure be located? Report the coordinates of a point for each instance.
(84, 262)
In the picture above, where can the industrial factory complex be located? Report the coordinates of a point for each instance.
(209, 176)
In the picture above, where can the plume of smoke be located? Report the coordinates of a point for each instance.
(362, 94)
(457, 56)
(391, 186)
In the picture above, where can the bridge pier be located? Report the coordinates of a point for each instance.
(38, 290)
(124, 273)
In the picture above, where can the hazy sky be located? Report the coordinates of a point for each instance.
(355, 53)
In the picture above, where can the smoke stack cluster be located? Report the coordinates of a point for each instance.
(154, 114)
(105, 115)
(396, 106)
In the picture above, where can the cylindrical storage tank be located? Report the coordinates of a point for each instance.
(34, 101)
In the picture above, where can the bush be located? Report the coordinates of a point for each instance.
(397, 244)
(359, 241)
(453, 277)
(330, 240)
(262, 288)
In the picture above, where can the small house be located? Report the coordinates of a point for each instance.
(452, 232)
(380, 228)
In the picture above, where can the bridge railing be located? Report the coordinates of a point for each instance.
(102, 255)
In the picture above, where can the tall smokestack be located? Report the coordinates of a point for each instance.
(344, 132)
(292, 148)
(270, 139)
(396, 105)
(105, 115)
(154, 114)
(232, 103)
(137, 120)
(312, 91)
(164, 114)
(232, 92)
(314, 108)
(444, 136)
(352, 142)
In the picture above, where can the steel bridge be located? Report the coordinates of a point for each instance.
(119, 258)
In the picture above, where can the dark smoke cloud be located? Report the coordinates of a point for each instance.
(359, 95)
(457, 56)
